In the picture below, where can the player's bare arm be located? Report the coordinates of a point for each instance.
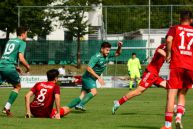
(92, 72)
(161, 52)
(168, 48)
(57, 101)
(27, 104)
(24, 62)
(119, 50)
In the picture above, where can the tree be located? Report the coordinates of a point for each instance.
(74, 19)
(33, 18)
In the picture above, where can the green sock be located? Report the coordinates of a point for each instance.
(12, 97)
(86, 98)
(74, 102)
(131, 84)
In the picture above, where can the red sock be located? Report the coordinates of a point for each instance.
(123, 100)
(168, 116)
(180, 109)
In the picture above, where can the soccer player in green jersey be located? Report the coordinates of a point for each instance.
(95, 68)
(9, 69)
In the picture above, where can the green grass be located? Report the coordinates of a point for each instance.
(143, 112)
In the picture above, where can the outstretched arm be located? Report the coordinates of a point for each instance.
(119, 50)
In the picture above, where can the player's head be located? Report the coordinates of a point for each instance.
(134, 55)
(52, 75)
(186, 16)
(105, 48)
(22, 32)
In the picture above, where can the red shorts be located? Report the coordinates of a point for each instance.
(52, 115)
(40, 112)
(148, 79)
(180, 78)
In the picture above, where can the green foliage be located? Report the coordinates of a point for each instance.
(127, 18)
(33, 18)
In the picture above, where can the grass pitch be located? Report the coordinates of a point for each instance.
(143, 112)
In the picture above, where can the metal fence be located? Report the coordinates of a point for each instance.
(141, 27)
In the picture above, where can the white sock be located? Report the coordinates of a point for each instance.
(168, 124)
(7, 105)
(179, 115)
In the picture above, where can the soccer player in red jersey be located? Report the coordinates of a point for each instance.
(179, 54)
(45, 95)
(150, 77)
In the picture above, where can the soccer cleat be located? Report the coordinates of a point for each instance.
(179, 123)
(7, 112)
(164, 127)
(115, 106)
(79, 107)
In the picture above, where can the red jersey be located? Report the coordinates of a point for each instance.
(44, 95)
(157, 60)
(182, 47)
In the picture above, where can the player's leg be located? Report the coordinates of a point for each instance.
(180, 108)
(63, 112)
(147, 80)
(132, 78)
(13, 78)
(175, 82)
(138, 91)
(89, 85)
(87, 98)
(77, 100)
(138, 77)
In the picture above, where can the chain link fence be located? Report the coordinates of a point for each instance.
(141, 29)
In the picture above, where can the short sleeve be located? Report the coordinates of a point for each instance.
(172, 31)
(22, 47)
(56, 89)
(111, 54)
(94, 59)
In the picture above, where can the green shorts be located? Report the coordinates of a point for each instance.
(88, 84)
(10, 76)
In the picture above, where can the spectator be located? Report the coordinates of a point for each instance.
(134, 68)
(62, 70)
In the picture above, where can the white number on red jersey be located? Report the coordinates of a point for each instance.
(41, 96)
(182, 46)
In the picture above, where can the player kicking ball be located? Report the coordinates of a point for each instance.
(150, 77)
(9, 69)
(95, 68)
(45, 95)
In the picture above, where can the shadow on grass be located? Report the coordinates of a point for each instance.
(137, 127)
(131, 113)
(77, 112)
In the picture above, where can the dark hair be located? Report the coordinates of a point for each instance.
(185, 15)
(20, 30)
(133, 53)
(52, 74)
(105, 45)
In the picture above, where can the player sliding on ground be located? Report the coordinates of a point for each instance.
(95, 68)
(45, 95)
(14, 50)
(180, 55)
(150, 77)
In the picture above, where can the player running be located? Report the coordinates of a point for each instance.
(179, 54)
(45, 95)
(150, 77)
(14, 49)
(96, 66)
